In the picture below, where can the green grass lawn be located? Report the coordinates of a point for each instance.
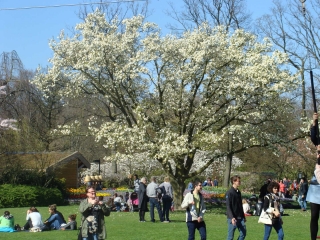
(125, 225)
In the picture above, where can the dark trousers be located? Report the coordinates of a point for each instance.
(166, 207)
(141, 215)
(154, 202)
(315, 208)
(201, 226)
(28, 225)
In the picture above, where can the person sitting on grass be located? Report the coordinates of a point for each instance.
(56, 219)
(34, 219)
(246, 207)
(117, 202)
(72, 224)
(7, 222)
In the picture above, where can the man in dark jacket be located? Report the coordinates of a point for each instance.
(235, 214)
(303, 194)
(143, 199)
(263, 189)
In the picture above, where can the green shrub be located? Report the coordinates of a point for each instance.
(26, 196)
(19, 175)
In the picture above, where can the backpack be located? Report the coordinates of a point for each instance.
(160, 191)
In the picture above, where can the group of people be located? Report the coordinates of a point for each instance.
(34, 221)
(195, 207)
(236, 210)
(155, 194)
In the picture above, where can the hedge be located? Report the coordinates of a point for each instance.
(27, 196)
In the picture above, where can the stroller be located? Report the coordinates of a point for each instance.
(134, 202)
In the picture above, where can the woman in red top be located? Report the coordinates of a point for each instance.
(282, 189)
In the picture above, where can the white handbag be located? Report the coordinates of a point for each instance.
(266, 218)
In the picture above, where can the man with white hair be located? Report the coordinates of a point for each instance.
(143, 199)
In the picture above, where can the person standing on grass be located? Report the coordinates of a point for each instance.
(282, 189)
(153, 199)
(167, 198)
(195, 209)
(143, 199)
(313, 195)
(272, 200)
(235, 214)
(303, 190)
(215, 182)
(136, 182)
(264, 189)
(92, 220)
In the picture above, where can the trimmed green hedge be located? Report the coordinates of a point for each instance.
(27, 196)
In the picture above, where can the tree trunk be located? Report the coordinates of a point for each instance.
(178, 189)
(227, 172)
(303, 90)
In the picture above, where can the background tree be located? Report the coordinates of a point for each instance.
(286, 28)
(231, 14)
(170, 97)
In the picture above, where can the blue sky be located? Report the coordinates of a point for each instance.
(28, 31)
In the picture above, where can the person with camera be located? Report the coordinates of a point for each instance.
(313, 195)
(92, 221)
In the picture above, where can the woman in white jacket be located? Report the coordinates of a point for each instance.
(34, 219)
(195, 209)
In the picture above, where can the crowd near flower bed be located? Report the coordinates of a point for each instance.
(212, 195)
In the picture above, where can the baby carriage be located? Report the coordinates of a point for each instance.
(134, 202)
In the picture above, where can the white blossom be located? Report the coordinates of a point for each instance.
(174, 96)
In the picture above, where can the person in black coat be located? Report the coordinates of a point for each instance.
(143, 199)
(303, 190)
(264, 189)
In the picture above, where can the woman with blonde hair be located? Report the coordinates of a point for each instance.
(167, 198)
(246, 207)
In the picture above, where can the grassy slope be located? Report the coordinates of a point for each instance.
(125, 225)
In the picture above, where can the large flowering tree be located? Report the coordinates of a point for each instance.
(169, 97)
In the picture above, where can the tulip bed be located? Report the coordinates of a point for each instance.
(75, 195)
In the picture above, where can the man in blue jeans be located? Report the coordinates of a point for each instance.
(153, 199)
(235, 214)
(303, 190)
(195, 207)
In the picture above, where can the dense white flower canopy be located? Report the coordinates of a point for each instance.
(169, 97)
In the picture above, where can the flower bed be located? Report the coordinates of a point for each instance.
(76, 195)
(212, 195)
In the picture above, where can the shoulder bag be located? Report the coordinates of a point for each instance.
(266, 218)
